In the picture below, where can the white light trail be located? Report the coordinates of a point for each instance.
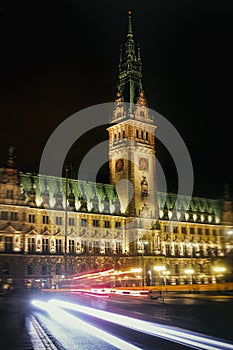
(178, 335)
(74, 322)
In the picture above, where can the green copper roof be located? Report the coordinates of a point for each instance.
(102, 193)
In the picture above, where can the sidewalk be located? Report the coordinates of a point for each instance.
(14, 310)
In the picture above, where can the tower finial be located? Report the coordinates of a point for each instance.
(11, 157)
(130, 69)
(129, 6)
(130, 30)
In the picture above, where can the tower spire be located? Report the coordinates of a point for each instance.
(130, 30)
(130, 68)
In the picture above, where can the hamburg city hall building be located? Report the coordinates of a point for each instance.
(53, 227)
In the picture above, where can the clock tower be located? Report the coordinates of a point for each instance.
(132, 138)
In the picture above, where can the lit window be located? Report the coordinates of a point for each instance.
(58, 247)
(31, 245)
(71, 246)
(45, 245)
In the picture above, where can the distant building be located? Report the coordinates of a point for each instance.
(63, 226)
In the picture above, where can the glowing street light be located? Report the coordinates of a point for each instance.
(189, 271)
(219, 269)
(159, 268)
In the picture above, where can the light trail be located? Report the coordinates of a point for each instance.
(76, 323)
(104, 292)
(94, 274)
(174, 334)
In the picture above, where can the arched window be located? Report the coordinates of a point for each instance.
(30, 269)
(58, 269)
(6, 268)
(44, 269)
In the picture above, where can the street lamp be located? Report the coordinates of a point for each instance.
(66, 197)
(189, 272)
(165, 276)
(142, 250)
(219, 271)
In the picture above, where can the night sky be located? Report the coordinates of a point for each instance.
(60, 57)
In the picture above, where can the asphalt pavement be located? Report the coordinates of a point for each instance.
(14, 313)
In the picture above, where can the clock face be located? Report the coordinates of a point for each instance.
(143, 164)
(119, 165)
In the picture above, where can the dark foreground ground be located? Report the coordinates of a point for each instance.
(13, 318)
(204, 313)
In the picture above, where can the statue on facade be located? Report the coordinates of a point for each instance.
(141, 100)
(144, 187)
(119, 97)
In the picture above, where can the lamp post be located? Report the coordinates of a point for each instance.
(143, 274)
(165, 276)
(66, 196)
(142, 250)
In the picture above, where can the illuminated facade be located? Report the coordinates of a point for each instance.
(64, 226)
